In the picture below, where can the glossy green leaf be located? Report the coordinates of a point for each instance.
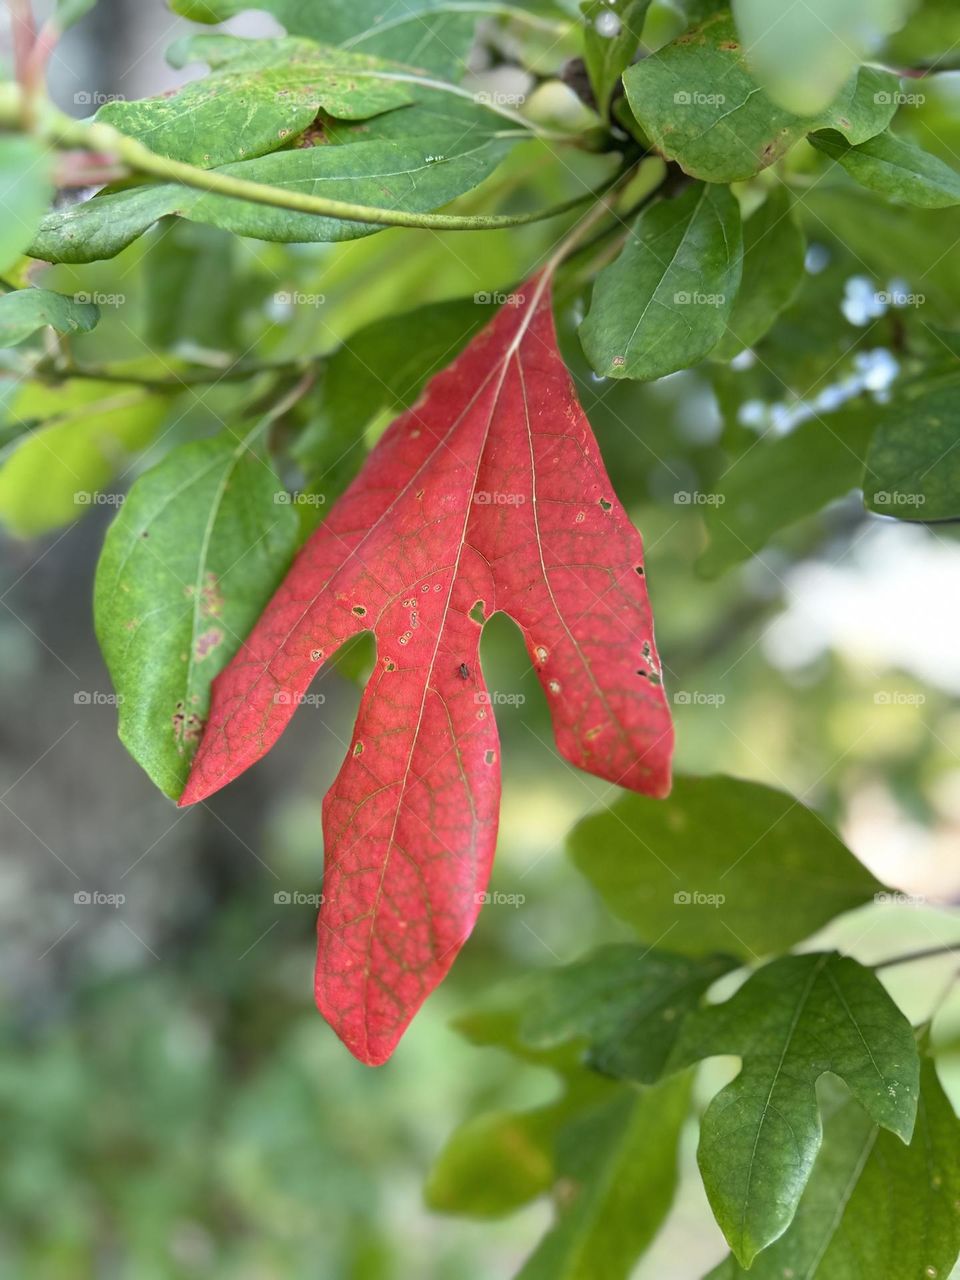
(696, 873)
(626, 1002)
(413, 173)
(873, 1207)
(773, 257)
(894, 168)
(26, 190)
(612, 30)
(803, 53)
(187, 566)
(777, 481)
(432, 34)
(25, 311)
(913, 466)
(617, 1171)
(77, 437)
(699, 102)
(792, 1021)
(664, 303)
(258, 97)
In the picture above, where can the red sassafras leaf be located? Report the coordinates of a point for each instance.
(489, 495)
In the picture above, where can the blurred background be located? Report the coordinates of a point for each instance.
(172, 1104)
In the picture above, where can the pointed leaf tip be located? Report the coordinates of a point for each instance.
(491, 492)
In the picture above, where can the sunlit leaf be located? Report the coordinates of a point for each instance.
(696, 873)
(259, 96)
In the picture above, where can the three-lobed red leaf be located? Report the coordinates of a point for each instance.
(490, 494)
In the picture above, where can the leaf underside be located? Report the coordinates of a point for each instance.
(490, 494)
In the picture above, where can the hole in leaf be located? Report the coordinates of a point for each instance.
(489, 757)
(477, 613)
(359, 610)
(358, 749)
(640, 570)
(605, 504)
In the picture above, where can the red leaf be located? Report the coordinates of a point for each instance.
(490, 494)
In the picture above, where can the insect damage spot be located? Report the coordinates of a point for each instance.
(358, 749)
(389, 665)
(477, 614)
(489, 757)
(605, 505)
(359, 610)
(187, 728)
(206, 642)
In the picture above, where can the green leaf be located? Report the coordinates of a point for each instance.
(495, 1163)
(435, 35)
(376, 373)
(919, 247)
(25, 311)
(778, 481)
(664, 303)
(611, 37)
(894, 168)
(260, 95)
(187, 566)
(80, 435)
(700, 104)
(873, 1207)
(71, 11)
(189, 288)
(412, 173)
(791, 1022)
(803, 53)
(628, 1003)
(26, 190)
(930, 37)
(697, 872)
(773, 256)
(617, 1174)
(913, 466)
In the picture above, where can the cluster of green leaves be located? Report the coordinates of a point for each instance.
(623, 1026)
